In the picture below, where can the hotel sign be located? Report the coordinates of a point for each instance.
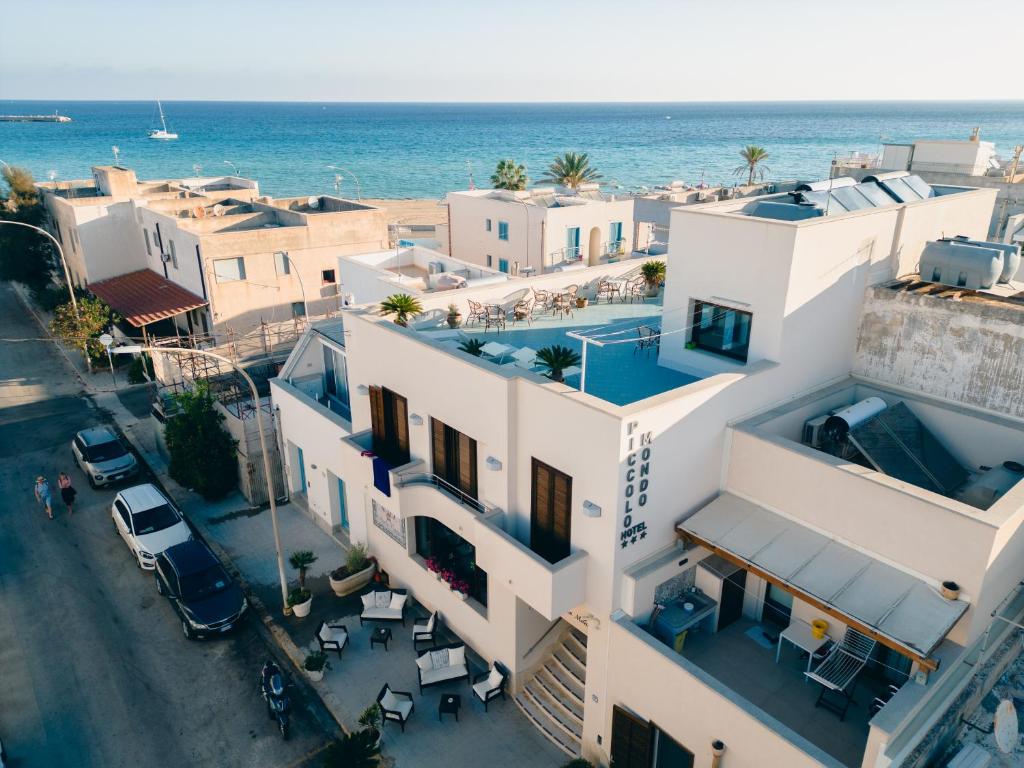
(638, 470)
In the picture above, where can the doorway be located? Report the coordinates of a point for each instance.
(594, 250)
(572, 243)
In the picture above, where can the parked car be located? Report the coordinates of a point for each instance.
(206, 599)
(101, 455)
(148, 522)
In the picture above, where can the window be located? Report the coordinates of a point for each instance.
(435, 539)
(550, 512)
(454, 456)
(298, 309)
(631, 740)
(572, 243)
(503, 230)
(487, 225)
(721, 330)
(389, 417)
(614, 234)
(336, 382)
(174, 254)
(122, 511)
(490, 260)
(327, 276)
(283, 263)
(149, 248)
(503, 265)
(669, 753)
(229, 270)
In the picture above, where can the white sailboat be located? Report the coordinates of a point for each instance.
(162, 132)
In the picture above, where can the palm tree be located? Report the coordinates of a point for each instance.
(556, 359)
(571, 170)
(402, 306)
(509, 175)
(753, 159)
(474, 347)
(301, 561)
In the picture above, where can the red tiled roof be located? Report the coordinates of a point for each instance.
(145, 297)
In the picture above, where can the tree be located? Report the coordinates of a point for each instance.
(25, 256)
(474, 347)
(354, 750)
(94, 318)
(753, 162)
(301, 561)
(509, 175)
(571, 170)
(402, 306)
(653, 272)
(556, 359)
(203, 454)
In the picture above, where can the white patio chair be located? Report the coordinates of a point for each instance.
(838, 672)
(395, 705)
(491, 684)
(332, 637)
(423, 631)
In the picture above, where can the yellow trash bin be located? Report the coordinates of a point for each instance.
(818, 628)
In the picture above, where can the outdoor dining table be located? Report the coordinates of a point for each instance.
(799, 634)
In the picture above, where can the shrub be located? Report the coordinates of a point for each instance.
(301, 561)
(203, 454)
(578, 762)
(93, 319)
(355, 750)
(135, 374)
(316, 661)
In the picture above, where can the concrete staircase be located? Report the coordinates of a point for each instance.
(553, 697)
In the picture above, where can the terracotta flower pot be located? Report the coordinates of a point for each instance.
(950, 590)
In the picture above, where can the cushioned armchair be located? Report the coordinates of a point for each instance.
(423, 631)
(395, 705)
(332, 637)
(490, 685)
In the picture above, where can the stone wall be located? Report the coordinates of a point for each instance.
(971, 352)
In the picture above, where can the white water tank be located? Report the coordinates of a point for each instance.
(961, 264)
(841, 422)
(1010, 251)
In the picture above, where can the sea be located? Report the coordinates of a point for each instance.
(406, 150)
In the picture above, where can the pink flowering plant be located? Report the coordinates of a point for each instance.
(433, 565)
(460, 585)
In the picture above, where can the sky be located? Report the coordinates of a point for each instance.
(526, 50)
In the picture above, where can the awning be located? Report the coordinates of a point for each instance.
(144, 297)
(899, 610)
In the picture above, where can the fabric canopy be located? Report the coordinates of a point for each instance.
(898, 606)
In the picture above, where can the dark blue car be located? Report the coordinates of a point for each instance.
(207, 600)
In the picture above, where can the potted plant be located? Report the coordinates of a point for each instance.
(654, 274)
(354, 574)
(434, 567)
(460, 587)
(691, 345)
(950, 590)
(301, 599)
(371, 719)
(316, 664)
(454, 316)
(402, 306)
(447, 576)
(556, 359)
(581, 302)
(354, 750)
(474, 347)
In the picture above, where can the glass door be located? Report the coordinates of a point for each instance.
(572, 242)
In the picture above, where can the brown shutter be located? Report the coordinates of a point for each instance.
(377, 420)
(437, 448)
(540, 508)
(467, 465)
(401, 436)
(561, 514)
(631, 740)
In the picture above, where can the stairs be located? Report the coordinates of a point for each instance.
(553, 697)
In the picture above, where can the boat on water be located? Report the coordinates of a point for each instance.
(162, 133)
(54, 118)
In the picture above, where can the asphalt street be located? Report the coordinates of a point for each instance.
(94, 670)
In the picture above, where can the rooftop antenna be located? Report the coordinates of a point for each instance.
(233, 168)
(469, 165)
(117, 152)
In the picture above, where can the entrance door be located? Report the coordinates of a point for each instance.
(550, 512)
(778, 606)
(302, 470)
(594, 249)
(731, 607)
(572, 243)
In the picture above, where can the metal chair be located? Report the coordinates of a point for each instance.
(494, 317)
(648, 338)
(637, 289)
(838, 672)
(476, 312)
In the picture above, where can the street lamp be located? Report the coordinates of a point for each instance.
(233, 168)
(339, 169)
(63, 261)
(302, 289)
(136, 349)
(526, 208)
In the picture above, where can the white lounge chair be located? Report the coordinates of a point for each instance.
(491, 684)
(332, 637)
(423, 631)
(839, 670)
(395, 705)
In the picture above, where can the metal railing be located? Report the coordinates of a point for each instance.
(568, 253)
(424, 478)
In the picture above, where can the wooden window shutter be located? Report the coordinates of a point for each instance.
(437, 448)
(401, 422)
(377, 420)
(561, 513)
(467, 465)
(540, 508)
(631, 740)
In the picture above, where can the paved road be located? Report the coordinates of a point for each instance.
(94, 670)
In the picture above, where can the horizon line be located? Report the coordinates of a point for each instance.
(513, 101)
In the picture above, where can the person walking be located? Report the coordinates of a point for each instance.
(43, 495)
(67, 492)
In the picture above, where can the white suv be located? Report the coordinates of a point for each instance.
(148, 523)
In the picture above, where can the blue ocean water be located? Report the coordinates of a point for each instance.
(422, 150)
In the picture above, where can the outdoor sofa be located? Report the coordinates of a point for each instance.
(384, 605)
(442, 664)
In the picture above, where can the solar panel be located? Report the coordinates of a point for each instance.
(851, 198)
(897, 443)
(900, 190)
(875, 194)
(919, 185)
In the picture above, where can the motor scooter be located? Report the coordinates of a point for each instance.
(272, 686)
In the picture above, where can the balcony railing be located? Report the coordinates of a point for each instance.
(424, 478)
(568, 253)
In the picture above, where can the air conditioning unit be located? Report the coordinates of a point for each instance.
(813, 430)
(726, 193)
(702, 196)
(770, 189)
(165, 257)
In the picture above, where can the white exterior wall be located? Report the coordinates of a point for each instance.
(99, 241)
(969, 157)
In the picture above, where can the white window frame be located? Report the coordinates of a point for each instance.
(282, 263)
(229, 275)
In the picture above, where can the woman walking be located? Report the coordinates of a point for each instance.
(43, 495)
(67, 492)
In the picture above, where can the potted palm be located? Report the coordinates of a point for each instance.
(654, 273)
(354, 574)
(474, 347)
(556, 359)
(354, 750)
(371, 719)
(402, 306)
(301, 599)
(454, 316)
(316, 664)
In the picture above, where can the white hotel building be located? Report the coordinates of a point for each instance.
(585, 521)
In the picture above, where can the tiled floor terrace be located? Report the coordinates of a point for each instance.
(618, 372)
